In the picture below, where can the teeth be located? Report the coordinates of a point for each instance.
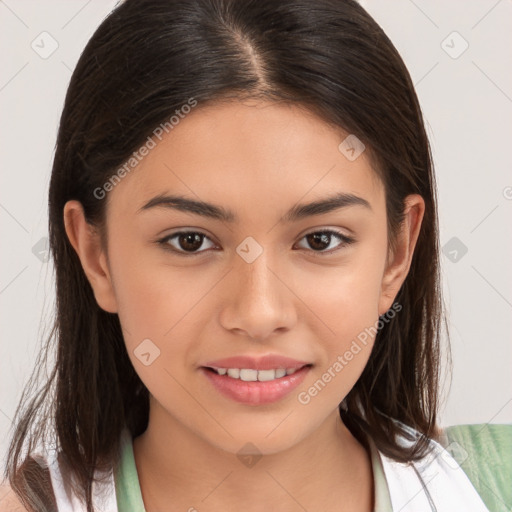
(234, 373)
(250, 375)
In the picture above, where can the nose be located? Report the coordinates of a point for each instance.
(259, 301)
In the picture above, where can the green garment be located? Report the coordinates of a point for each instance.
(128, 494)
(129, 497)
(484, 452)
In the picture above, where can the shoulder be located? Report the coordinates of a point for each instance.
(35, 478)
(433, 482)
(9, 501)
(483, 452)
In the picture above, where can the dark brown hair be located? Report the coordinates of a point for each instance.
(146, 60)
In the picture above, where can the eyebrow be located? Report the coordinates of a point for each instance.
(296, 213)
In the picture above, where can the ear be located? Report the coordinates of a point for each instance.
(399, 259)
(86, 241)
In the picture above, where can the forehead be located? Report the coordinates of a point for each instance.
(248, 153)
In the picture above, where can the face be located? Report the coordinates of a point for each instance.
(272, 278)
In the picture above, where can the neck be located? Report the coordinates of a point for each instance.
(179, 468)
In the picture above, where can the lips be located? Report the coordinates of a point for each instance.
(267, 362)
(256, 393)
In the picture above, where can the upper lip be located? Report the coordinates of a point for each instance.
(268, 362)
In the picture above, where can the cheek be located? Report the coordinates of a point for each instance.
(144, 302)
(151, 295)
(345, 297)
(162, 304)
(155, 310)
(345, 301)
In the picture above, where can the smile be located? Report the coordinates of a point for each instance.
(255, 387)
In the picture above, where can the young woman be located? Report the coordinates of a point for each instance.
(244, 230)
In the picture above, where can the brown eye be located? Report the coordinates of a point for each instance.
(184, 242)
(190, 241)
(319, 241)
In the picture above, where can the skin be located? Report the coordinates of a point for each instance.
(258, 159)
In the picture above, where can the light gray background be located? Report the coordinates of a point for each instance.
(467, 103)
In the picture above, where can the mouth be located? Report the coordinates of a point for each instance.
(253, 375)
(255, 387)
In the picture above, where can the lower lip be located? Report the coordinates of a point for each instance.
(256, 393)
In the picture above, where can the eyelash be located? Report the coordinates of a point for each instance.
(164, 242)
